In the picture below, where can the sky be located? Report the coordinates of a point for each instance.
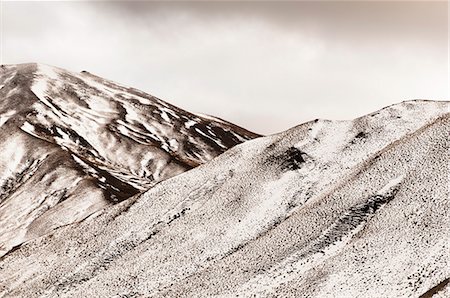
(266, 66)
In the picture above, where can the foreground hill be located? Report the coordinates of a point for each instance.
(326, 209)
(73, 143)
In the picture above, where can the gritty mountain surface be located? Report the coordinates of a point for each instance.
(326, 209)
(73, 143)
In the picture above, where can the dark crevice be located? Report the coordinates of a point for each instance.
(294, 159)
(291, 160)
(358, 138)
(437, 288)
(115, 189)
(361, 135)
(355, 216)
(130, 202)
(13, 249)
(177, 215)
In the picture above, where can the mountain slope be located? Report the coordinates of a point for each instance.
(326, 209)
(74, 143)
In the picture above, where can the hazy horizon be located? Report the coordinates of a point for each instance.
(262, 65)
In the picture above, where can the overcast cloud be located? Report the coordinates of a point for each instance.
(264, 66)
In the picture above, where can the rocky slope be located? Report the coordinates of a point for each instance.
(73, 143)
(326, 209)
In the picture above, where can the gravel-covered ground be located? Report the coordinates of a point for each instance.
(326, 209)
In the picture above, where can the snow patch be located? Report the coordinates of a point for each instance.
(173, 144)
(6, 116)
(169, 111)
(190, 123)
(391, 186)
(164, 116)
(27, 127)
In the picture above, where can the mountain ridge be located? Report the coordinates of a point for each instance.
(325, 209)
(75, 143)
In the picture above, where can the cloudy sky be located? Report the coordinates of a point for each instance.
(266, 66)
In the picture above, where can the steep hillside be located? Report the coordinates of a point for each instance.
(326, 209)
(73, 143)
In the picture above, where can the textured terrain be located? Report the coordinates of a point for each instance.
(326, 209)
(73, 143)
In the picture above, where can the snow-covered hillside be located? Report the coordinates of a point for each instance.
(326, 209)
(73, 143)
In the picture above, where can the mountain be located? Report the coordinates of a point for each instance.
(74, 143)
(326, 209)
